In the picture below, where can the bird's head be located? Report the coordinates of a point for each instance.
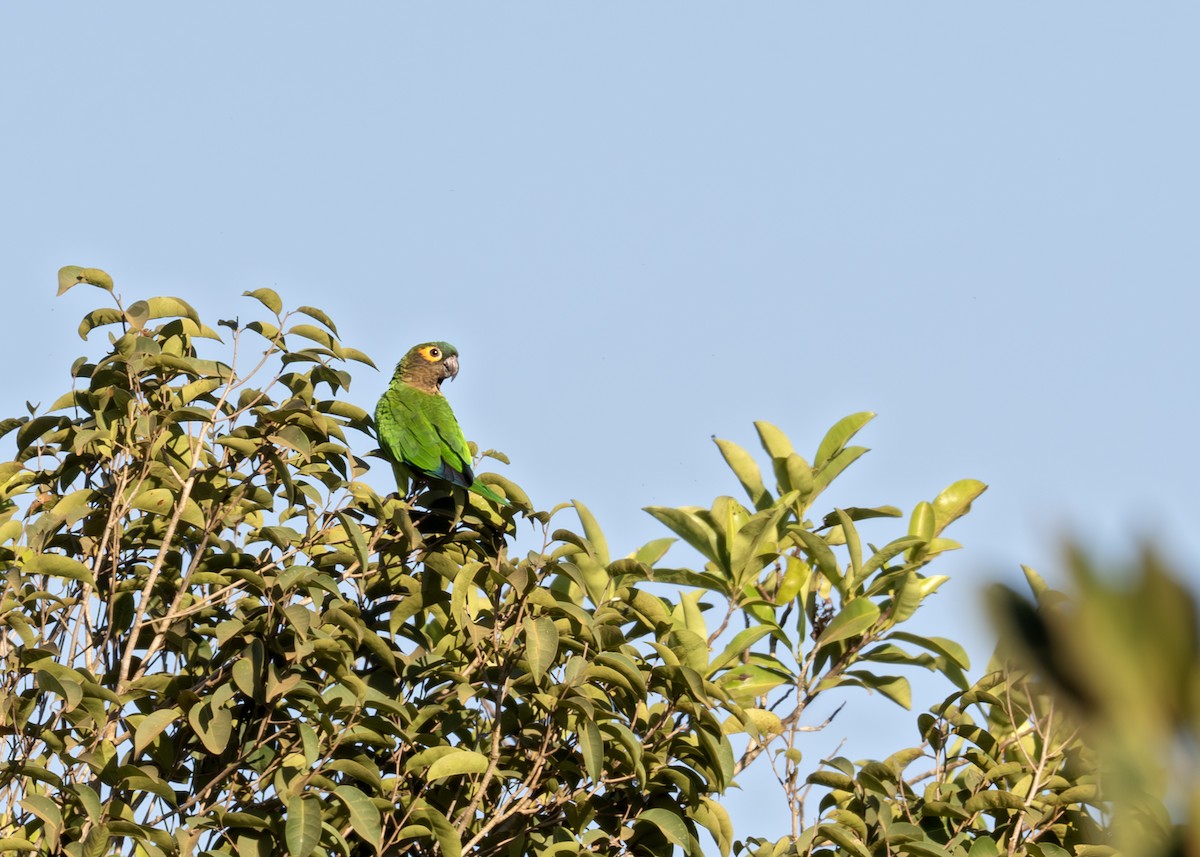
(427, 365)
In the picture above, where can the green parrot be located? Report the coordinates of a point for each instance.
(416, 426)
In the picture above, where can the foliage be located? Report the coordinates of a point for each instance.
(1121, 656)
(1004, 771)
(217, 636)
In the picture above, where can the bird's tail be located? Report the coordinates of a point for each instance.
(488, 494)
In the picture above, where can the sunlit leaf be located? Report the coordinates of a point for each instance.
(152, 726)
(541, 645)
(319, 315)
(668, 823)
(746, 470)
(591, 529)
(838, 436)
(364, 815)
(302, 830)
(268, 298)
(591, 746)
(855, 618)
(954, 502)
(57, 565)
(457, 763)
(73, 275)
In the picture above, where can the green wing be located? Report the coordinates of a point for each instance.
(419, 429)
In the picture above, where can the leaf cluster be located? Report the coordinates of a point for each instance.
(219, 636)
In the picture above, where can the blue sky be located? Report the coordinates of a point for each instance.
(645, 224)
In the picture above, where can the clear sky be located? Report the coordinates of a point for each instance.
(646, 223)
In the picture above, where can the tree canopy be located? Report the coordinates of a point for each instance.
(220, 635)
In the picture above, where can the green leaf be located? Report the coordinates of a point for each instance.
(923, 522)
(832, 780)
(319, 315)
(886, 554)
(37, 428)
(592, 531)
(313, 333)
(98, 318)
(797, 475)
(152, 726)
(48, 811)
(860, 513)
(844, 838)
(774, 442)
(668, 823)
(73, 275)
(357, 540)
(993, 799)
(57, 565)
(591, 747)
(356, 355)
(161, 501)
(195, 389)
(853, 547)
(268, 298)
(821, 555)
(96, 843)
(88, 799)
(894, 687)
(364, 771)
(624, 665)
(747, 682)
(984, 846)
(742, 641)
(541, 645)
(169, 307)
(457, 763)
(922, 848)
(1049, 849)
(10, 423)
(264, 329)
(759, 723)
(955, 501)
(796, 576)
(687, 525)
(213, 725)
(349, 411)
(901, 759)
(653, 550)
(715, 819)
(1037, 585)
(836, 438)
(746, 470)
(364, 815)
(293, 437)
(1088, 793)
(825, 475)
(445, 834)
(303, 828)
(941, 645)
(690, 647)
(854, 618)
(137, 314)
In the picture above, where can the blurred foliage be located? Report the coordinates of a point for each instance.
(1121, 656)
(218, 638)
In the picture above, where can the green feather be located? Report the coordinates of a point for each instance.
(416, 425)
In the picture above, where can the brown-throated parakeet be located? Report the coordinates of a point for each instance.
(416, 426)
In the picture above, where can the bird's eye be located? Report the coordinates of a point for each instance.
(435, 353)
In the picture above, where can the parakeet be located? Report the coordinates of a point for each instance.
(416, 426)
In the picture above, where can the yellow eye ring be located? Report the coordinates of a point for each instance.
(435, 353)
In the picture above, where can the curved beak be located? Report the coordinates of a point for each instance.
(451, 365)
